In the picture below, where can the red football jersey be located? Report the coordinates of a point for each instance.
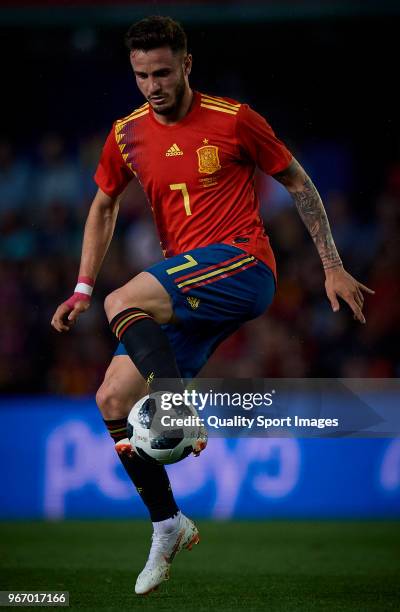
(198, 174)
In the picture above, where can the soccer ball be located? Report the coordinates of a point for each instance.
(162, 436)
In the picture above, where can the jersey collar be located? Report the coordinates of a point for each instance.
(186, 119)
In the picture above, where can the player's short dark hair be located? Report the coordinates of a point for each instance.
(154, 32)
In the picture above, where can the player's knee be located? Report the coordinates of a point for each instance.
(118, 300)
(110, 405)
(113, 303)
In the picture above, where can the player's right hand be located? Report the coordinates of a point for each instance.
(68, 312)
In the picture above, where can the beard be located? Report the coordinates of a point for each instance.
(172, 107)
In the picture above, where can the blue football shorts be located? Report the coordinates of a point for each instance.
(214, 290)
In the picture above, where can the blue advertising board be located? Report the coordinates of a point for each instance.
(57, 461)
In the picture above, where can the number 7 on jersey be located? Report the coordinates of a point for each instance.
(186, 200)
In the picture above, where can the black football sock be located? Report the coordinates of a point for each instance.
(117, 428)
(148, 347)
(151, 480)
(152, 484)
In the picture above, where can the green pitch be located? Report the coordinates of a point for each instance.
(268, 566)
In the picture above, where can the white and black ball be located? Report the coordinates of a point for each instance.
(161, 443)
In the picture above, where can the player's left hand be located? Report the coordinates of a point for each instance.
(339, 283)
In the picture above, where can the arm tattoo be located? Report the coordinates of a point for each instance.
(312, 212)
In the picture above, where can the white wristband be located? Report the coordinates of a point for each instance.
(84, 288)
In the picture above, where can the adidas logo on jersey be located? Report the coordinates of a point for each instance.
(173, 151)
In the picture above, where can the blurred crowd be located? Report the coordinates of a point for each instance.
(44, 200)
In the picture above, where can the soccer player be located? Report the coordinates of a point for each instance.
(194, 155)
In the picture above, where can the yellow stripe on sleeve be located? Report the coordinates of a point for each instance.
(219, 108)
(138, 113)
(211, 100)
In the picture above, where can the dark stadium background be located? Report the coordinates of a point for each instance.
(325, 75)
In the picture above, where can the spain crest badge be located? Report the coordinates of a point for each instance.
(208, 159)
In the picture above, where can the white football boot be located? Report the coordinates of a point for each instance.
(124, 447)
(165, 545)
(201, 441)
